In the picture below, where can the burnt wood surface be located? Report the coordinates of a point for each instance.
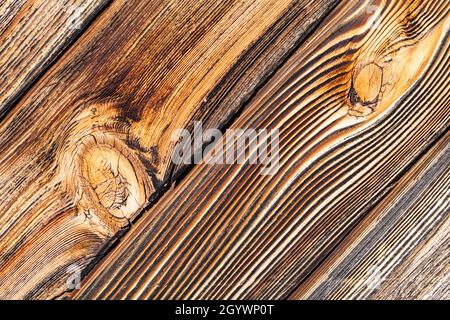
(92, 92)
(88, 147)
(357, 104)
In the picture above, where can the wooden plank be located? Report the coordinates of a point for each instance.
(33, 33)
(355, 105)
(401, 250)
(89, 146)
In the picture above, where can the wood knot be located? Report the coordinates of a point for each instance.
(110, 184)
(366, 90)
(114, 182)
(106, 171)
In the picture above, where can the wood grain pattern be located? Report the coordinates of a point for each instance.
(401, 250)
(89, 146)
(33, 33)
(355, 106)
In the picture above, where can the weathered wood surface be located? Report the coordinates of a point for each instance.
(89, 145)
(33, 33)
(401, 250)
(355, 106)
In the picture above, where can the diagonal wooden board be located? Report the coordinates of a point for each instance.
(231, 232)
(89, 145)
(33, 33)
(401, 250)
